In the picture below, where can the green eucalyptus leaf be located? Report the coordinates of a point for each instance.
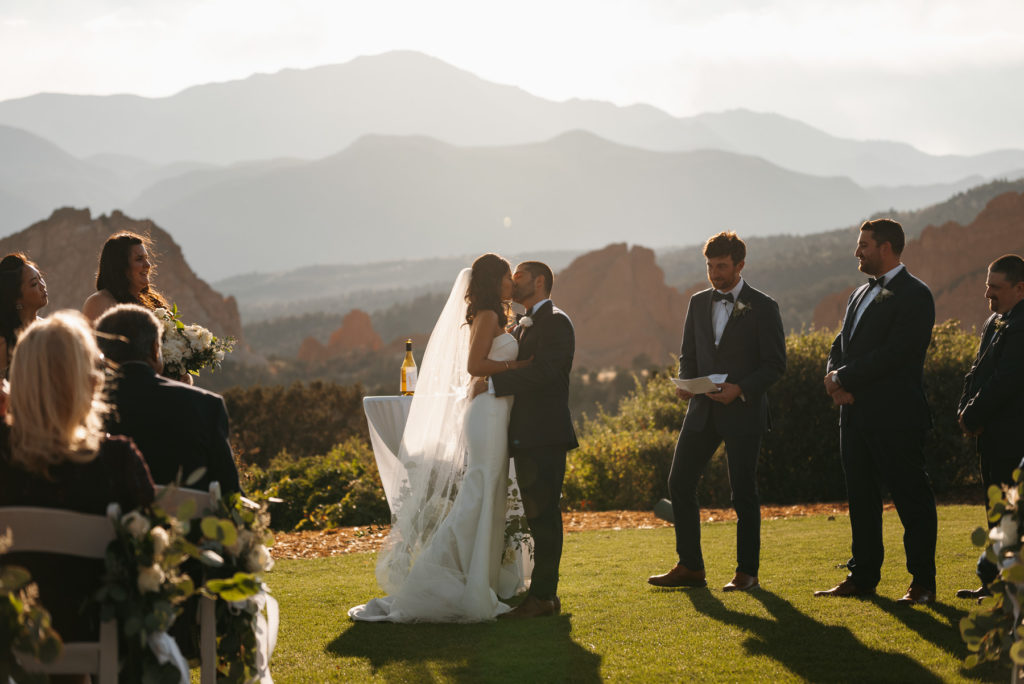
(1014, 573)
(195, 476)
(210, 526)
(187, 509)
(979, 537)
(971, 661)
(1017, 652)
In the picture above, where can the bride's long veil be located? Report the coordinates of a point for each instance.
(432, 454)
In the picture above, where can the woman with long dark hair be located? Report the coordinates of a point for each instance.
(22, 295)
(124, 275)
(447, 557)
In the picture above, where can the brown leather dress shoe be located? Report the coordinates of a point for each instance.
(679, 576)
(531, 607)
(741, 582)
(917, 595)
(844, 589)
(974, 594)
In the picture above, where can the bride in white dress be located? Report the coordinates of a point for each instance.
(447, 557)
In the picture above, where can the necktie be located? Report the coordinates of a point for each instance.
(717, 296)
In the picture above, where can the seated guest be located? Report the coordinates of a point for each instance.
(22, 295)
(178, 428)
(54, 454)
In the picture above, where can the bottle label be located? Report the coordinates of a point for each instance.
(410, 379)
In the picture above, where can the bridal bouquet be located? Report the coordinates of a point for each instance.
(188, 348)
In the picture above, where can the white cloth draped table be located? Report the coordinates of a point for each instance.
(386, 417)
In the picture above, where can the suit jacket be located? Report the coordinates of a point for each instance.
(993, 394)
(752, 352)
(881, 362)
(540, 413)
(176, 426)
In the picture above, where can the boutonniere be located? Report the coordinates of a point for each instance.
(525, 322)
(1000, 324)
(740, 309)
(882, 295)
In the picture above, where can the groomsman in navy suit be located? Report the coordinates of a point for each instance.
(875, 375)
(736, 330)
(992, 403)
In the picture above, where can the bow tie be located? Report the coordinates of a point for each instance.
(879, 281)
(717, 296)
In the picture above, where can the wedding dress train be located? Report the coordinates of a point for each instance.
(458, 574)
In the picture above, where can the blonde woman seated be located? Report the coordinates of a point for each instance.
(54, 453)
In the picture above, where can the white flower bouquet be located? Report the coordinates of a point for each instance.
(189, 348)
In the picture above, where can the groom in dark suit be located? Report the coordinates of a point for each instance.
(992, 403)
(177, 427)
(736, 330)
(540, 429)
(875, 375)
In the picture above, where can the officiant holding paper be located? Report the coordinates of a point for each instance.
(733, 338)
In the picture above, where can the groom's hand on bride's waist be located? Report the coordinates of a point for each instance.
(479, 386)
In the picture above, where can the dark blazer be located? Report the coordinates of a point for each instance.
(176, 426)
(752, 351)
(882, 362)
(993, 394)
(540, 413)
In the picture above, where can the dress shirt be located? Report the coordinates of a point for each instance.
(870, 296)
(722, 310)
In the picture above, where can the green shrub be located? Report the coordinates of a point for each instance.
(341, 488)
(302, 419)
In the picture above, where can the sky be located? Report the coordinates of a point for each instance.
(944, 76)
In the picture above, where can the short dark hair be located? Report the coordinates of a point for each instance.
(887, 230)
(539, 269)
(727, 243)
(131, 331)
(1010, 266)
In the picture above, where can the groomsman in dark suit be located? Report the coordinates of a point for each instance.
(540, 430)
(736, 330)
(992, 403)
(875, 375)
(177, 427)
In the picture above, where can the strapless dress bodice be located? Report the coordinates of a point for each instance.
(504, 348)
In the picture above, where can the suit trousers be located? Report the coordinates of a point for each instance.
(540, 472)
(693, 451)
(875, 459)
(998, 461)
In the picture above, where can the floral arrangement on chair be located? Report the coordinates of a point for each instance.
(238, 533)
(144, 588)
(24, 624)
(994, 627)
(189, 348)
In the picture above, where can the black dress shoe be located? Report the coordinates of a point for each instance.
(975, 594)
(531, 607)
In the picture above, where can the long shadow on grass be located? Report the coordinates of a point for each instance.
(810, 649)
(943, 633)
(541, 649)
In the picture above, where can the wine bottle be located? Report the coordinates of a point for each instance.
(408, 371)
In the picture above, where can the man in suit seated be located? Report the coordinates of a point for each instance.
(177, 427)
(992, 402)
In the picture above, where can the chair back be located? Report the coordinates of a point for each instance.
(50, 530)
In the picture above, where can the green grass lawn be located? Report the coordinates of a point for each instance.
(616, 627)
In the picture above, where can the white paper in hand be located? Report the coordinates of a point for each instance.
(703, 385)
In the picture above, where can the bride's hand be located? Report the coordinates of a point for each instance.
(512, 365)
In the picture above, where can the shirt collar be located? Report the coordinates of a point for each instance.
(735, 291)
(889, 275)
(536, 307)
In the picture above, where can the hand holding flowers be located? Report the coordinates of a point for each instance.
(189, 348)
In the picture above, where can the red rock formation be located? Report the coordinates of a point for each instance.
(355, 334)
(67, 247)
(953, 260)
(621, 307)
(312, 350)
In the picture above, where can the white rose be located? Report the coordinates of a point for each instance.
(137, 524)
(151, 579)
(160, 312)
(525, 322)
(219, 355)
(206, 338)
(173, 349)
(161, 540)
(194, 335)
(259, 559)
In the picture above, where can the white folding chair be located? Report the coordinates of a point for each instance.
(50, 530)
(170, 499)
